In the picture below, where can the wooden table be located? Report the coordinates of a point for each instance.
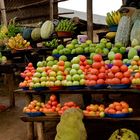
(97, 122)
(7, 69)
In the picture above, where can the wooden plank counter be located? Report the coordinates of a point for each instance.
(92, 124)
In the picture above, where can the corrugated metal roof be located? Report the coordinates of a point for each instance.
(97, 19)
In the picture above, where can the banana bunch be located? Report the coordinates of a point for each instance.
(65, 25)
(113, 18)
(124, 134)
(18, 42)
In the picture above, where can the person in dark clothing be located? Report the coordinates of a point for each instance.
(132, 3)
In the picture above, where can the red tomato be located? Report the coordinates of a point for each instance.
(137, 75)
(61, 68)
(108, 81)
(94, 71)
(102, 76)
(111, 111)
(61, 63)
(97, 58)
(100, 81)
(54, 103)
(102, 69)
(85, 63)
(115, 69)
(119, 75)
(94, 77)
(48, 106)
(82, 68)
(116, 81)
(110, 75)
(124, 68)
(92, 82)
(118, 56)
(138, 62)
(82, 58)
(125, 80)
(52, 98)
(30, 65)
(127, 74)
(118, 107)
(96, 65)
(87, 66)
(118, 63)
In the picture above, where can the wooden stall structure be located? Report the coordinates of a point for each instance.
(29, 11)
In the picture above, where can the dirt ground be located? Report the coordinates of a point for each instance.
(11, 127)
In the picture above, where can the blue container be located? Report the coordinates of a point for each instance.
(35, 114)
(120, 86)
(25, 88)
(40, 88)
(113, 28)
(121, 115)
(75, 87)
(98, 86)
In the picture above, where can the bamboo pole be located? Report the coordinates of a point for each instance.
(89, 20)
(51, 9)
(3, 12)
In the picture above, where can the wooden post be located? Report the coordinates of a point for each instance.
(10, 82)
(3, 12)
(40, 132)
(51, 9)
(89, 20)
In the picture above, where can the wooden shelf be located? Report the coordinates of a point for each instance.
(57, 118)
(82, 91)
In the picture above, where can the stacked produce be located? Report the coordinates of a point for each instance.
(135, 64)
(18, 43)
(118, 73)
(118, 108)
(65, 25)
(3, 59)
(51, 44)
(84, 48)
(94, 110)
(34, 106)
(51, 106)
(96, 74)
(27, 75)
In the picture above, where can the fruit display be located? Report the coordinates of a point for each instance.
(123, 30)
(66, 106)
(118, 47)
(18, 43)
(84, 48)
(46, 29)
(65, 25)
(135, 64)
(34, 106)
(27, 76)
(51, 44)
(118, 108)
(118, 73)
(94, 110)
(52, 106)
(3, 59)
(123, 134)
(113, 18)
(71, 126)
(136, 79)
(96, 74)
